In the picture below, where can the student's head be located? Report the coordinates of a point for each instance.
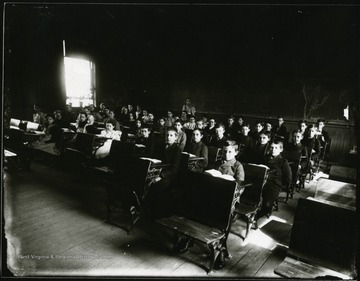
(171, 136)
(110, 124)
(268, 126)
(169, 114)
(259, 126)
(111, 114)
(145, 131)
(178, 125)
(197, 135)
(151, 117)
(144, 113)
(125, 111)
(86, 109)
(321, 124)
(138, 123)
(264, 137)
(68, 107)
(230, 120)
(91, 119)
(240, 121)
(188, 101)
(102, 106)
(230, 150)
(192, 119)
(280, 120)
(162, 121)
(50, 118)
(204, 118)
(200, 124)
(212, 122)
(82, 116)
(311, 131)
(130, 107)
(91, 107)
(138, 108)
(276, 147)
(58, 114)
(37, 108)
(297, 136)
(220, 130)
(245, 129)
(183, 115)
(131, 116)
(302, 125)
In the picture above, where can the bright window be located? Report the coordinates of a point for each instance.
(79, 82)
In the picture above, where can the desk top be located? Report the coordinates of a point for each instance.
(343, 173)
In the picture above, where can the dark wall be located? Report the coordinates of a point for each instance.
(230, 59)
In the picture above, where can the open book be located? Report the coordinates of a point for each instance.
(140, 145)
(191, 155)
(155, 161)
(218, 174)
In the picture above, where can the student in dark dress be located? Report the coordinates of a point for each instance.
(312, 144)
(261, 148)
(157, 202)
(198, 148)
(279, 176)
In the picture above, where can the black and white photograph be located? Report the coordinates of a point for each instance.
(180, 140)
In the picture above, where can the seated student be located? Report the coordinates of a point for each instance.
(322, 135)
(312, 144)
(219, 140)
(259, 127)
(205, 121)
(170, 120)
(39, 116)
(191, 124)
(297, 146)
(198, 148)
(279, 176)
(184, 117)
(90, 127)
(228, 166)
(261, 148)
(69, 115)
(210, 129)
(245, 143)
(50, 141)
(160, 127)
(302, 125)
(144, 116)
(124, 116)
(94, 112)
(150, 120)
(59, 120)
(136, 129)
(200, 126)
(269, 128)
(111, 134)
(156, 203)
(81, 122)
(146, 139)
(181, 136)
(230, 130)
(238, 125)
(111, 116)
(280, 130)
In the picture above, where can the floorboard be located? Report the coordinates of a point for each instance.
(54, 222)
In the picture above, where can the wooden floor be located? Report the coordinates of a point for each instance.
(54, 224)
